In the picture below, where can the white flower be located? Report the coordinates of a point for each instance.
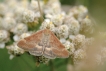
(52, 7)
(28, 16)
(79, 41)
(58, 19)
(24, 3)
(9, 14)
(86, 26)
(62, 40)
(16, 37)
(49, 16)
(12, 4)
(68, 19)
(25, 35)
(74, 26)
(8, 23)
(79, 12)
(48, 24)
(83, 9)
(72, 49)
(62, 31)
(69, 46)
(3, 9)
(74, 12)
(19, 29)
(71, 37)
(34, 5)
(14, 50)
(82, 12)
(79, 55)
(4, 36)
(19, 13)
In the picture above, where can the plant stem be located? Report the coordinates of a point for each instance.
(51, 66)
(40, 11)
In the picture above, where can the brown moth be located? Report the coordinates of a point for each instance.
(44, 43)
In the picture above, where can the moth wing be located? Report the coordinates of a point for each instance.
(58, 49)
(48, 53)
(31, 43)
(55, 48)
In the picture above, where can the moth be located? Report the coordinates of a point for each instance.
(44, 43)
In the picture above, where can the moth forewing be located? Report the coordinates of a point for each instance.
(44, 43)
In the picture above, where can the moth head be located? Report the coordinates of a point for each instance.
(47, 32)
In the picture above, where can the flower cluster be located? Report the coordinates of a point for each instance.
(20, 18)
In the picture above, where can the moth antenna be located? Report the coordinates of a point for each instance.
(41, 13)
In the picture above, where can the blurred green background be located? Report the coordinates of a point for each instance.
(97, 9)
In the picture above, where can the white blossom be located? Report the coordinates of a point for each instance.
(19, 13)
(86, 26)
(25, 35)
(4, 36)
(71, 37)
(3, 9)
(19, 29)
(79, 55)
(74, 26)
(82, 12)
(34, 5)
(48, 24)
(52, 7)
(58, 19)
(69, 46)
(8, 23)
(28, 15)
(79, 41)
(62, 40)
(22, 36)
(62, 31)
(14, 50)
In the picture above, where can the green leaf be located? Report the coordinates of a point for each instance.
(26, 62)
